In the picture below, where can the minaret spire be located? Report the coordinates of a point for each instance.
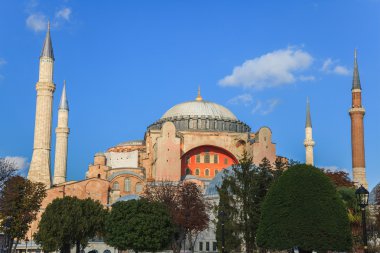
(309, 142)
(356, 78)
(39, 170)
(357, 113)
(62, 134)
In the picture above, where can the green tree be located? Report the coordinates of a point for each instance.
(304, 209)
(70, 221)
(241, 195)
(139, 225)
(20, 201)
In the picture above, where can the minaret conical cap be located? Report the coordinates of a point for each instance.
(356, 79)
(308, 117)
(47, 50)
(63, 104)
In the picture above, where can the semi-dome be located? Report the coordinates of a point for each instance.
(201, 115)
(199, 108)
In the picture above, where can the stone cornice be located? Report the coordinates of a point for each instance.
(356, 110)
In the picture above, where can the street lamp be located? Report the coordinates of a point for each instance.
(222, 216)
(26, 244)
(362, 198)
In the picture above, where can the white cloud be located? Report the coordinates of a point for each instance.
(272, 69)
(244, 99)
(19, 161)
(2, 62)
(306, 78)
(64, 13)
(265, 107)
(330, 66)
(37, 22)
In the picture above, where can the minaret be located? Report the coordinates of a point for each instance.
(309, 142)
(62, 134)
(39, 170)
(357, 130)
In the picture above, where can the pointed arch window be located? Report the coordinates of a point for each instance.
(197, 172)
(207, 172)
(116, 186)
(127, 185)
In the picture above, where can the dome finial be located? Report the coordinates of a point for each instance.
(199, 97)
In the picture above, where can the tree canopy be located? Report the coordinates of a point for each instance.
(70, 221)
(139, 225)
(303, 209)
(20, 201)
(241, 195)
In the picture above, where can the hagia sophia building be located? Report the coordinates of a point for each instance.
(194, 140)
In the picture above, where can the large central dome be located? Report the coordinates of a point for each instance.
(199, 108)
(200, 115)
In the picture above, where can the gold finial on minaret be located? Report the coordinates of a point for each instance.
(199, 97)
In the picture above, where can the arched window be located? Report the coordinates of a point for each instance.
(207, 172)
(127, 185)
(116, 186)
(188, 171)
(216, 172)
(197, 172)
(207, 157)
(98, 175)
(139, 187)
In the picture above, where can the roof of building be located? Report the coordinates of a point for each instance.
(308, 117)
(64, 104)
(128, 197)
(47, 50)
(131, 143)
(199, 108)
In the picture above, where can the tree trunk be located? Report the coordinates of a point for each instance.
(15, 245)
(66, 248)
(78, 247)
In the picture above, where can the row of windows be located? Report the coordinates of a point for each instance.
(127, 186)
(207, 248)
(206, 158)
(197, 172)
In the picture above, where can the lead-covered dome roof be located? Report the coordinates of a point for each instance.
(201, 115)
(200, 108)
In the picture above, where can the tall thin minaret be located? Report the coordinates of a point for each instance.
(39, 170)
(357, 129)
(309, 142)
(62, 134)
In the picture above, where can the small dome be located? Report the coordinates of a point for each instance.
(199, 108)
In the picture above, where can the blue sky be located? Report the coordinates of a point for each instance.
(128, 62)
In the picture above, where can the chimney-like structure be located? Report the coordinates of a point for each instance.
(357, 129)
(39, 170)
(309, 142)
(62, 134)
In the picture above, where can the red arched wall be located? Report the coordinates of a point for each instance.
(189, 161)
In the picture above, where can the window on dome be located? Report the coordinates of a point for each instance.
(188, 171)
(216, 158)
(116, 186)
(139, 187)
(207, 172)
(197, 172)
(127, 185)
(198, 157)
(207, 157)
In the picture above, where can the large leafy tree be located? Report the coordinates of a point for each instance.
(7, 170)
(304, 209)
(241, 195)
(20, 201)
(139, 225)
(187, 208)
(70, 221)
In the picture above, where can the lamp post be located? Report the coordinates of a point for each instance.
(222, 216)
(26, 244)
(362, 197)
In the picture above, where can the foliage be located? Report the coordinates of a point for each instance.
(304, 209)
(70, 221)
(20, 201)
(241, 195)
(139, 225)
(7, 170)
(187, 208)
(339, 178)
